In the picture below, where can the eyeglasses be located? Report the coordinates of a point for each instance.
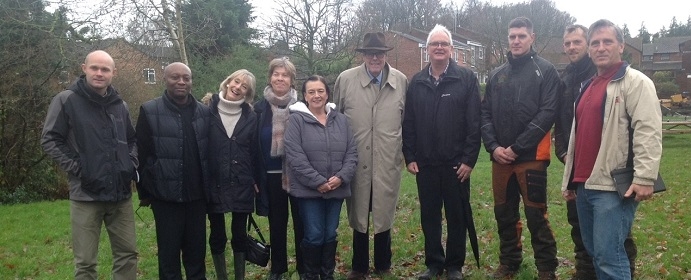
(439, 44)
(379, 55)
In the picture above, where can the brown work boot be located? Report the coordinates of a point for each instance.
(504, 272)
(546, 275)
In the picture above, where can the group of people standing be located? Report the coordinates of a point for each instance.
(194, 161)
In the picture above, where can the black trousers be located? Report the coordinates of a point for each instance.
(278, 226)
(180, 228)
(218, 237)
(438, 186)
(382, 251)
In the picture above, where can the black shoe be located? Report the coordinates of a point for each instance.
(429, 274)
(276, 276)
(454, 274)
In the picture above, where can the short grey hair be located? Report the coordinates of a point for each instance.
(437, 29)
(602, 24)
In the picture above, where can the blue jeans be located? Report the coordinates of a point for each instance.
(606, 221)
(320, 218)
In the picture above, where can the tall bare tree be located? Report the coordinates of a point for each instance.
(316, 33)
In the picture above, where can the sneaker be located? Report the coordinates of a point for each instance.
(356, 275)
(504, 271)
(454, 274)
(429, 274)
(546, 275)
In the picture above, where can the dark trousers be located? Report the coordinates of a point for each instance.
(218, 237)
(529, 181)
(382, 251)
(439, 186)
(180, 228)
(278, 226)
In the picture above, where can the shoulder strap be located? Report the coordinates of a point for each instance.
(253, 224)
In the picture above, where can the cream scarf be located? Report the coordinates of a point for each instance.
(279, 108)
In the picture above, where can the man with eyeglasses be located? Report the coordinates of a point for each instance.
(372, 96)
(441, 143)
(518, 111)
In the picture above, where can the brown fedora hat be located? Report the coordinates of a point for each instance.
(374, 41)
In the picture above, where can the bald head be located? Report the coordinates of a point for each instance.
(178, 79)
(99, 70)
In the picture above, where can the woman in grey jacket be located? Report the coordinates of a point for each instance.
(322, 155)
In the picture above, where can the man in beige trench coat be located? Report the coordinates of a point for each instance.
(372, 96)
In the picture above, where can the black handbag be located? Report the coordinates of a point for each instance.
(258, 252)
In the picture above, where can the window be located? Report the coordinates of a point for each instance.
(664, 56)
(482, 53)
(149, 76)
(425, 56)
(648, 58)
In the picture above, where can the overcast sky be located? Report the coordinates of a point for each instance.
(653, 13)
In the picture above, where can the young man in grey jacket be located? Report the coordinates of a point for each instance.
(89, 134)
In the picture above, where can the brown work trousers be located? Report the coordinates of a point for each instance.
(510, 183)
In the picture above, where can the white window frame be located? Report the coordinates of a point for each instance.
(149, 76)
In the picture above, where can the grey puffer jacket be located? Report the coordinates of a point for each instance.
(315, 152)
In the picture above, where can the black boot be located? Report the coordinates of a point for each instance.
(220, 266)
(239, 265)
(311, 259)
(328, 260)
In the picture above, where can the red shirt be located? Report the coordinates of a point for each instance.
(589, 121)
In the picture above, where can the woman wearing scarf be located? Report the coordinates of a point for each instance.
(272, 114)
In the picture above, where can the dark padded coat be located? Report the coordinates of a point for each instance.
(160, 142)
(231, 162)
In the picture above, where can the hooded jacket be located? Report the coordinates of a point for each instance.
(91, 137)
(231, 162)
(519, 107)
(316, 152)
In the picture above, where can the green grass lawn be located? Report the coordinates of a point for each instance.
(35, 238)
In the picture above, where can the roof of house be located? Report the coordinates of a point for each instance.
(664, 45)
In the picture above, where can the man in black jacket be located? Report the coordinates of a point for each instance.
(172, 135)
(580, 69)
(441, 143)
(89, 134)
(518, 112)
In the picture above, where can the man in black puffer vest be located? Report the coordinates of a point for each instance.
(172, 136)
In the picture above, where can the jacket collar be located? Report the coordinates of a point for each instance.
(522, 59)
(452, 72)
(364, 77)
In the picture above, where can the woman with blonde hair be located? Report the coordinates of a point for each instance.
(232, 146)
